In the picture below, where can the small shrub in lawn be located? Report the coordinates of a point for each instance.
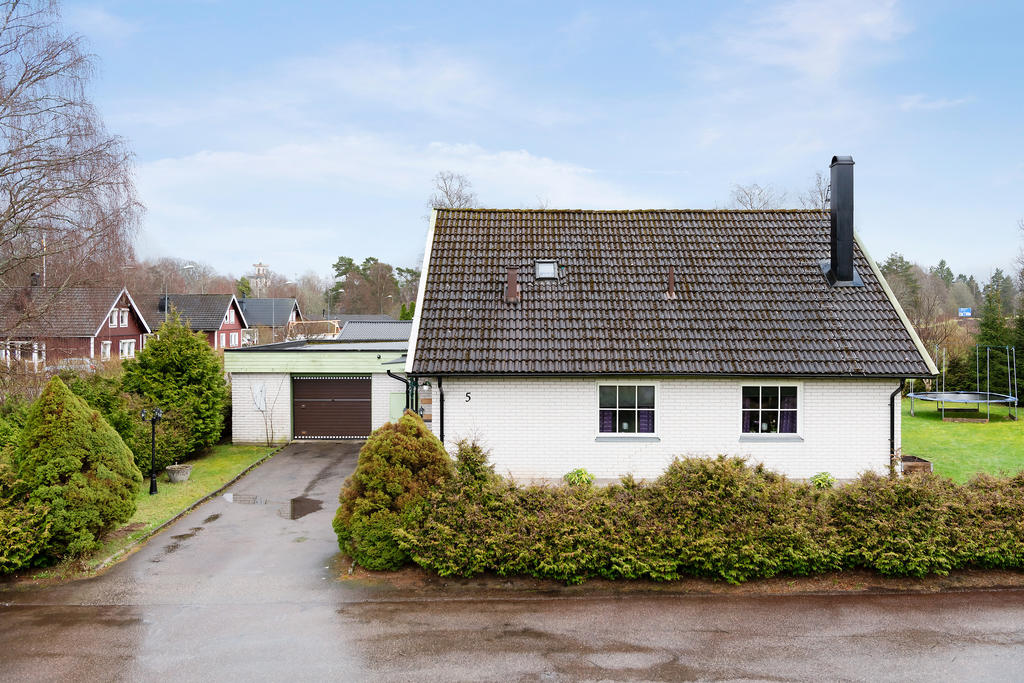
(823, 480)
(578, 477)
(72, 463)
(397, 466)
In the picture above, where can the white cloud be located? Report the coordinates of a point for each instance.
(98, 24)
(291, 199)
(921, 102)
(817, 40)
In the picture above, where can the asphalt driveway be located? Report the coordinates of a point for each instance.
(240, 590)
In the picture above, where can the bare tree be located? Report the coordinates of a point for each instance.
(817, 195)
(452, 191)
(68, 204)
(755, 197)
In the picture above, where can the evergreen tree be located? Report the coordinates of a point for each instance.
(993, 330)
(943, 272)
(73, 464)
(179, 372)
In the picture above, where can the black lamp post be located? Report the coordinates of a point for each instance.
(152, 416)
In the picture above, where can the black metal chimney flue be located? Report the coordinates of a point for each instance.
(841, 266)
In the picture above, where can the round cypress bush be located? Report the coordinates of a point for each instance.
(72, 463)
(398, 465)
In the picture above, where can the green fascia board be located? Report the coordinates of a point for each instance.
(322, 362)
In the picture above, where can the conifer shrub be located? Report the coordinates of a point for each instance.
(122, 410)
(73, 464)
(908, 526)
(398, 466)
(179, 372)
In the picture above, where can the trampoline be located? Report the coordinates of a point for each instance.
(977, 397)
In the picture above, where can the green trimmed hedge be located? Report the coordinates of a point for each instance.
(719, 518)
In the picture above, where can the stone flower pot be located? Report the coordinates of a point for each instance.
(178, 473)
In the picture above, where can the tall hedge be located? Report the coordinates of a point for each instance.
(73, 464)
(179, 372)
(398, 466)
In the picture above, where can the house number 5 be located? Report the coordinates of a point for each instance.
(469, 397)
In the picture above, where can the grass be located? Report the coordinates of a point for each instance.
(209, 472)
(960, 450)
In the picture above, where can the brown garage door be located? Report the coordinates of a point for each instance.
(331, 407)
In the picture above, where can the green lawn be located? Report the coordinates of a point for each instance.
(962, 449)
(209, 473)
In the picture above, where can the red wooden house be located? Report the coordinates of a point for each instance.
(41, 326)
(218, 316)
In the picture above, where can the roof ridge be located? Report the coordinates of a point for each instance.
(762, 211)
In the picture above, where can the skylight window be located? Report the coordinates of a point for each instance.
(546, 270)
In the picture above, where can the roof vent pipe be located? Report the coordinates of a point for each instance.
(671, 293)
(512, 287)
(841, 210)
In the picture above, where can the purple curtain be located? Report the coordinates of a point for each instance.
(607, 421)
(645, 421)
(787, 422)
(750, 421)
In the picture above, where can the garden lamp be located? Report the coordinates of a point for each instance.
(152, 416)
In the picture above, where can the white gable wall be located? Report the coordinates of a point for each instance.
(540, 428)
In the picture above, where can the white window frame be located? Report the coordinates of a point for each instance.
(105, 350)
(627, 435)
(233, 340)
(772, 436)
(124, 317)
(128, 344)
(114, 318)
(223, 338)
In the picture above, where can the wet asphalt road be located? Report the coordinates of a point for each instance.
(238, 590)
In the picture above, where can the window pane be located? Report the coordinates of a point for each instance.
(627, 397)
(645, 421)
(645, 397)
(750, 421)
(627, 421)
(769, 397)
(788, 397)
(769, 421)
(607, 397)
(607, 421)
(787, 422)
(751, 397)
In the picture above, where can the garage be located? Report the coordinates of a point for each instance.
(331, 407)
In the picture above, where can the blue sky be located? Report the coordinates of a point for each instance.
(295, 133)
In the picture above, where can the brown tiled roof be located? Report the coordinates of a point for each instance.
(751, 297)
(204, 312)
(33, 312)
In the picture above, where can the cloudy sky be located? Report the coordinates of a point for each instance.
(298, 132)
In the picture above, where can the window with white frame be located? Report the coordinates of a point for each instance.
(769, 409)
(124, 317)
(626, 408)
(127, 349)
(233, 339)
(114, 318)
(105, 350)
(223, 337)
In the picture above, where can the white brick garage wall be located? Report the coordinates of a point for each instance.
(542, 428)
(248, 424)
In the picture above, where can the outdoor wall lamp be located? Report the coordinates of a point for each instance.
(152, 416)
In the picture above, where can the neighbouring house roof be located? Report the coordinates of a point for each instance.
(343, 318)
(751, 298)
(205, 312)
(267, 312)
(55, 311)
(375, 330)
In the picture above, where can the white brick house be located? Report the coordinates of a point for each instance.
(618, 340)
